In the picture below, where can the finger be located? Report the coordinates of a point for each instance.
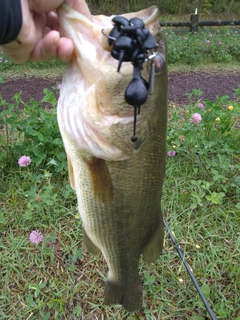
(65, 49)
(46, 48)
(52, 21)
(52, 47)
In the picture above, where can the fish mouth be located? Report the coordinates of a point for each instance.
(94, 25)
(92, 110)
(148, 15)
(93, 52)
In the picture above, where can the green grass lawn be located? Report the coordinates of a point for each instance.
(57, 278)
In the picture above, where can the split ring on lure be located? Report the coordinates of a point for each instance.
(130, 42)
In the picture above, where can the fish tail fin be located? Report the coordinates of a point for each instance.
(91, 248)
(153, 248)
(129, 296)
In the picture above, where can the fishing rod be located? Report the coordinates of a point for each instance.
(209, 310)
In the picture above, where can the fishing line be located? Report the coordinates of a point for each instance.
(209, 310)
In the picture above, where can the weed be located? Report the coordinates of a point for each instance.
(166, 7)
(221, 46)
(215, 139)
(34, 132)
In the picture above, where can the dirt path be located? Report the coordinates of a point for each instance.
(212, 84)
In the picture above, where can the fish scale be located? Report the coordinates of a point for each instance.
(118, 182)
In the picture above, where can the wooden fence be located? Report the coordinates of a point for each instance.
(194, 23)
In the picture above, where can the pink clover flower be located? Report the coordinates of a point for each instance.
(24, 161)
(36, 236)
(196, 118)
(171, 153)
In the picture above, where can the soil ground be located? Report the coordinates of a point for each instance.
(211, 83)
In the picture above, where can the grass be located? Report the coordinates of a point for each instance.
(224, 8)
(17, 72)
(221, 46)
(11, 70)
(215, 49)
(58, 279)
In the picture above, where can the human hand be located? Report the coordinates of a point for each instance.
(39, 39)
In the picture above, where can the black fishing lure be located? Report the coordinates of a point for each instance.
(132, 42)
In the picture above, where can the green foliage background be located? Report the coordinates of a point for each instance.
(167, 6)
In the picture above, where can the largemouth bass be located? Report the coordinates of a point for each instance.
(118, 181)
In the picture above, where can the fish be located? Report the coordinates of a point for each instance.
(118, 180)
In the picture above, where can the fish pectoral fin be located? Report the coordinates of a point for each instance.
(153, 248)
(101, 179)
(71, 173)
(91, 248)
(129, 296)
